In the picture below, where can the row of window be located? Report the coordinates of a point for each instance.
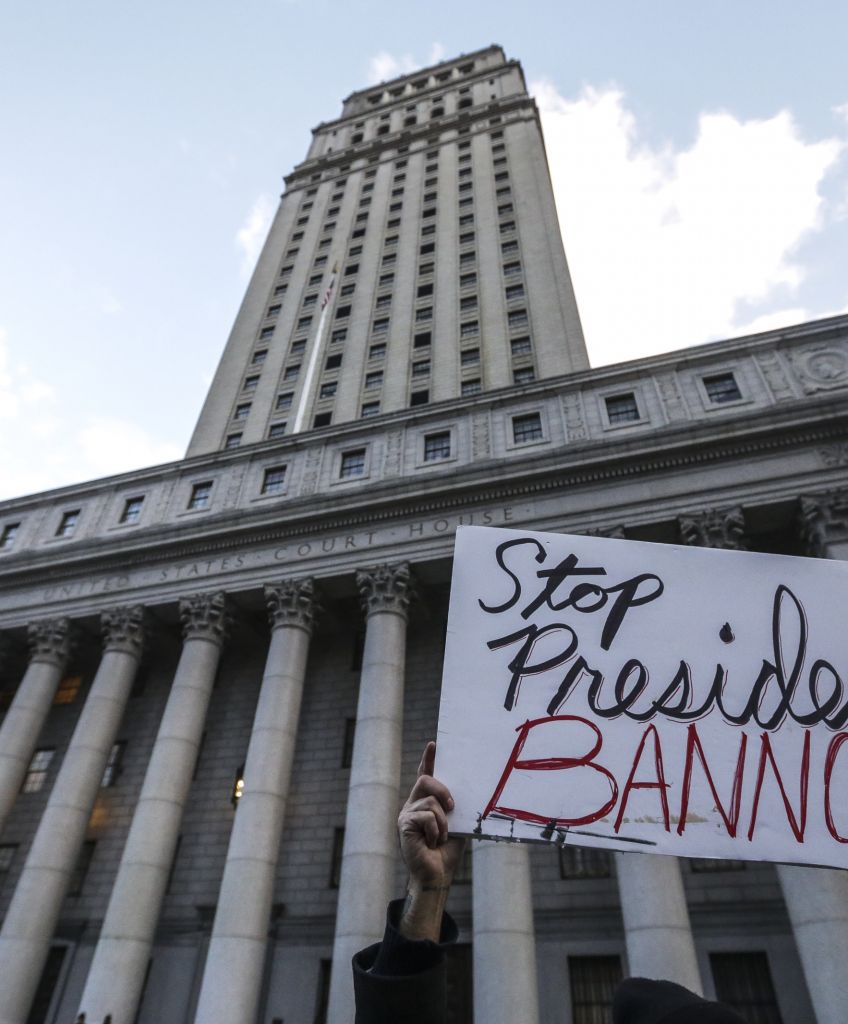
(39, 767)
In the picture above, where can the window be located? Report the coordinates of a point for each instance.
(68, 523)
(338, 335)
(352, 464)
(377, 351)
(322, 419)
(523, 375)
(467, 259)
(273, 310)
(286, 271)
(250, 383)
(521, 346)
(374, 379)
(298, 347)
(292, 372)
(242, 411)
(276, 430)
(281, 289)
(424, 315)
(584, 862)
(273, 480)
(39, 766)
(390, 259)
(471, 387)
(526, 428)
(511, 269)
(467, 238)
(507, 226)
(466, 186)
(309, 301)
(518, 318)
(468, 303)
(303, 323)
(428, 229)
(200, 495)
(422, 340)
(470, 329)
(722, 387)
(468, 281)
(505, 209)
(622, 408)
(594, 980)
(296, 237)
(347, 742)
(81, 868)
(421, 368)
(427, 248)
(284, 400)
(132, 510)
(385, 280)
(743, 981)
(329, 389)
(514, 291)
(114, 765)
(380, 326)
(320, 261)
(68, 689)
(424, 290)
(464, 172)
(437, 446)
(466, 220)
(425, 269)
(334, 361)
(419, 398)
(707, 865)
(370, 409)
(347, 290)
(465, 202)
(7, 537)
(508, 248)
(259, 357)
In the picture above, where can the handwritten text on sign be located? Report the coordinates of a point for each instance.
(647, 697)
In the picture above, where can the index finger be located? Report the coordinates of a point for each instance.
(428, 760)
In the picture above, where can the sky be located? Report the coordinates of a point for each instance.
(699, 156)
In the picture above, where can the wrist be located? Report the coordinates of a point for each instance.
(423, 910)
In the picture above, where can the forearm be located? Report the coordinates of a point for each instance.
(423, 910)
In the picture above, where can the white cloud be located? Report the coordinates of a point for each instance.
(111, 445)
(386, 65)
(666, 246)
(841, 111)
(251, 235)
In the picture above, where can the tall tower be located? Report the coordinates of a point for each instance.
(411, 260)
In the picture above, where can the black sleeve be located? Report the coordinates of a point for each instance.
(400, 979)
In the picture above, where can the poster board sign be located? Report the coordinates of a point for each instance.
(649, 697)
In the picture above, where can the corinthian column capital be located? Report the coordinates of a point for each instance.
(123, 629)
(205, 617)
(822, 517)
(292, 603)
(386, 588)
(50, 640)
(714, 528)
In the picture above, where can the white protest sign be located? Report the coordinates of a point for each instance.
(648, 697)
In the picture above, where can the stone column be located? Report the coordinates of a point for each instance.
(116, 977)
(368, 857)
(50, 645)
(37, 902)
(817, 898)
(232, 977)
(656, 920)
(505, 986)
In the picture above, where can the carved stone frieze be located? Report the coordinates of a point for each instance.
(205, 617)
(311, 468)
(613, 532)
(386, 588)
(672, 397)
(123, 629)
(393, 459)
(481, 446)
(775, 376)
(575, 422)
(821, 368)
(292, 603)
(834, 455)
(714, 528)
(822, 518)
(50, 640)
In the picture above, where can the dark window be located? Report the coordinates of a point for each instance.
(437, 446)
(470, 329)
(329, 389)
(518, 318)
(352, 464)
(7, 537)
(284, 400)
(338, 335)
(421, 368)
(274, 310)
(303, 323)
(508, 248)
(469, 357)
(200, 495)
(523, 375)
(81, 868)
(132, 510)
(114, 765)
(468, 280)
(68, 523)
(380, 326)
(427, 248)
(422, 340)
(47, 985)
(322, 419)
(352, 269)
(342, 312)
(370, 409)
(39, 766)
(622, 408)
(347, 742)
(424, 290)
(336, 857)
(467, 258)
(593, 983)
(309, 301)
(374, 379)
(743, 981)
(276, 430)
(377, 351)
(515, 291)
(511, 269)
(521, 346)
(292, 372)
(425, 268)
(259, 357)
(468, 303)
(707, 865)
(471, 387)
(722, 387)
(385, 280)
(584, 862)
(527, 427)
(298, 347)
(333, 361)
(419, 398)
(250, 383)
(322, 994)
(423, 315)
(242, 411)
(467, 238)
(274, 480)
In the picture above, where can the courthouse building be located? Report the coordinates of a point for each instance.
(218, 674)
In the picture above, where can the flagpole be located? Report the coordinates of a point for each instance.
(313, 358)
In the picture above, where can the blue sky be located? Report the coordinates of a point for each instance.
(699, 155)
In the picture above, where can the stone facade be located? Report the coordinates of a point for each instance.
(189, 839)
